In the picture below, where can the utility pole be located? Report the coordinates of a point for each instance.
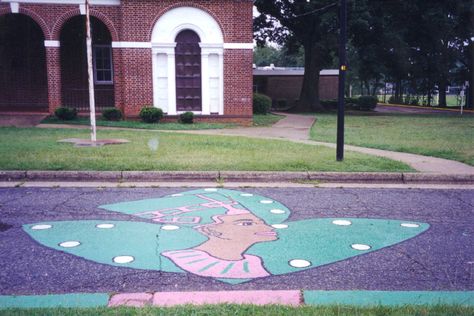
(91, 74)
(342, 79)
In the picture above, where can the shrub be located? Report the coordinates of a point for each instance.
(112, 114)
(351, 100)
(367, 102)
(394, 100)
(328, 104)
(261, 103)
(64, 113)
(150, 114)
(415, 101)
(187, 118)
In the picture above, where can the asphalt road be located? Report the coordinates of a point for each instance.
(441, 258)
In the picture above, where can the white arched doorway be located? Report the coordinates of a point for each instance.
(164, 35)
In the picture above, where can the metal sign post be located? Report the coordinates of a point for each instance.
(91, 74)
(342, 80)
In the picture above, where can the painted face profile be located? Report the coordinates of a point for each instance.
(226, 235)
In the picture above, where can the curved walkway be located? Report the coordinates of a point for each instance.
(296, 128)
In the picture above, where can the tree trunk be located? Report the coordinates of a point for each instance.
(442, 94)
(470, 94)
(309, 96)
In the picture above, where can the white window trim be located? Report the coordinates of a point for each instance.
(75, 2)
(103, 82)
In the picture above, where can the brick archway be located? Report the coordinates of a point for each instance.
(31, 14)
(23, 81)
(59, 24)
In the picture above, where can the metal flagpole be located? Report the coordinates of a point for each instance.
(91, 74)
(342, 80)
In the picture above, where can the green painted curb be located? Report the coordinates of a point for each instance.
(389, 298)
(46, 301)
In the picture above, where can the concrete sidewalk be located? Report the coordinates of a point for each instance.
(296, 128)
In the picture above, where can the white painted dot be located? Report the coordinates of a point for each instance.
(105, 226)
(175, 195)
(41, 227)
(360, 247)
(410, 225)
(124, 259)
(266, 202)
(210, 189)
(69, 244)
(280, 226)
(300, 263)
(170, 227)
(246, 194)
(276, 211)
(342, 222)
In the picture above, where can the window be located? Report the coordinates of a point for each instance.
(103, 73)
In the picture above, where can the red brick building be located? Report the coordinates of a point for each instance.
(283, 85)
(176, 55)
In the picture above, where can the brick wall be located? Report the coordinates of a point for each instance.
(133, 21)
(289, 87)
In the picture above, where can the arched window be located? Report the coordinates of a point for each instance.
(188, 72)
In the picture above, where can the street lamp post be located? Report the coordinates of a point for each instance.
(342, 79)
(91, 74)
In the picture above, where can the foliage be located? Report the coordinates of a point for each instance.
(151, 114)
(112, 114)
(186, 118)
(280, 57)
(261, 103)
(329, 104)
(65, 113)
(419, 46)
(367, 102)
(309, 24)
(394, 100)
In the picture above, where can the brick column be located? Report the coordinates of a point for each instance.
(53, 69)
(118, 79)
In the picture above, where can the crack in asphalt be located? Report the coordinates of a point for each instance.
(420, 264)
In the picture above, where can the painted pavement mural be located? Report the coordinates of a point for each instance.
(223, 234)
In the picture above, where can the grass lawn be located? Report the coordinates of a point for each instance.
(245, 310)
(37, 149)
(266, 120)
(258, 120)
(450, 137)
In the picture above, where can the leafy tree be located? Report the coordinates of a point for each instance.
(312, 24)
(280, 57)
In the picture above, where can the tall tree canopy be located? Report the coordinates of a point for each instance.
(420, 46)
(312, 24)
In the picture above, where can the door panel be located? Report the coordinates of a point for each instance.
(188, 72)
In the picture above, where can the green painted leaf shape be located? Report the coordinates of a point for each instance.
(320, 241)
(143, 242)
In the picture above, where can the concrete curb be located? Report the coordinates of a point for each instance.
(235, 176)
(294, 298)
